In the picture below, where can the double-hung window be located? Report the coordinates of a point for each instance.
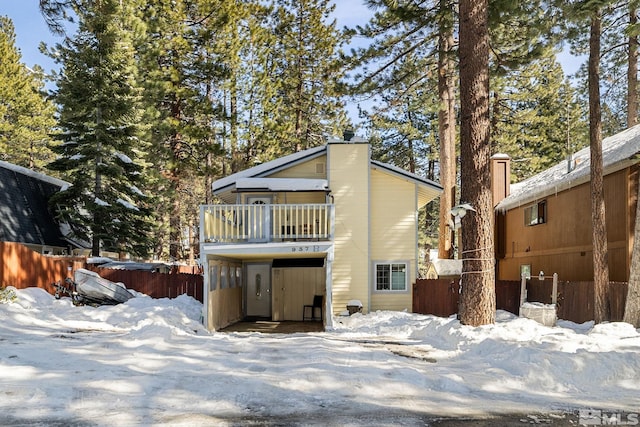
(391, 276)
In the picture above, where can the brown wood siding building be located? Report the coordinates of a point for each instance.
(562, 244)
(550, 230)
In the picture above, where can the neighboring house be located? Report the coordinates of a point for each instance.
(325, 221)
(544, 223)
(444, 269)
(25, 214)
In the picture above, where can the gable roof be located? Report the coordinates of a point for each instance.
(268, 168)
(428, 189)
(24, 207)
(618, 152)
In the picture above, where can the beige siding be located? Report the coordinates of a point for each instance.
(300, 197)
(393, 234)
(313, 169)
(224, 300)
(348, 170)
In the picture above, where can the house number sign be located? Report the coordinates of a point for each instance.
(306, 248)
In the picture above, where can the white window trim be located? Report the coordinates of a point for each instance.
(374, 276)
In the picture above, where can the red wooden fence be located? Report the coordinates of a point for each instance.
(440, 296)
(21, 268)
(575, 299)
(436, 296)
(156, 285)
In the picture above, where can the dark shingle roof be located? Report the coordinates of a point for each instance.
(24, 212)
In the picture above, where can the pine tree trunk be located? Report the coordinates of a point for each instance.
(477, 301)
(174, 228)
(234, 138)
(446, 130)
(632, 306)
(632, 72)
(600, 251)
(299, 85)
(175, 178)
(97, 229)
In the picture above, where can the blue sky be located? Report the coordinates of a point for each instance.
(31, 28)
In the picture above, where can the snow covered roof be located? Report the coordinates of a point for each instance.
(447, 267)
(131, 265)
(33, 174)
(264, 169)
(618, 152)
(256, 177)
(282, 184)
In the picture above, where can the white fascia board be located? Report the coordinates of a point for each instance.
(296, 249)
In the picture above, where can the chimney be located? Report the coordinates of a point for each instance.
(500, 177)
(348, 134)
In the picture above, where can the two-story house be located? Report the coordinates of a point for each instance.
(328, 221)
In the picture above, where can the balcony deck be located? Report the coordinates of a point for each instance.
(264, 223)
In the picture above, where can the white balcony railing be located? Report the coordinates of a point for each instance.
(266, 223)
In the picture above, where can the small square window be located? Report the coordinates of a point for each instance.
(536, 214)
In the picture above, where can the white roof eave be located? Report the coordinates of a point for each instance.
(227, 184)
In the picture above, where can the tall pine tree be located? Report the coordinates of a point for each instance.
(101, 152)
(536, 119)
(477, 299)
(26, 115)
(171, 67)
(307, 74)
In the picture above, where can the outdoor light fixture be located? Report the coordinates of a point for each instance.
(458, 212)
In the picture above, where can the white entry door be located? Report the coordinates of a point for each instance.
(259, 219)
(259, 290)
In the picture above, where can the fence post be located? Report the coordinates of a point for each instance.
(554, 293)
(523, 289)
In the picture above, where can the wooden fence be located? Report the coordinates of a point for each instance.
(575, 299)
(23, 268)
(440, 296)
(156, 285)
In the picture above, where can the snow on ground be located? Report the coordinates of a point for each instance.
(150, 362)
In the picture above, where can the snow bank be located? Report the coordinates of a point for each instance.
(150, 361)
